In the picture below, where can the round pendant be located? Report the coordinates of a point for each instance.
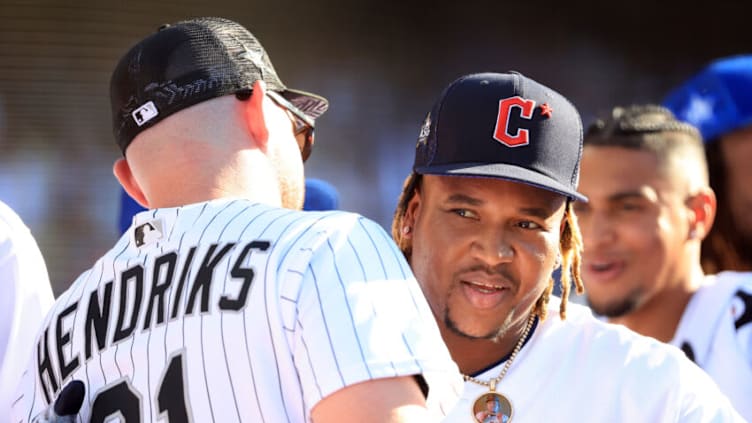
(492, 407)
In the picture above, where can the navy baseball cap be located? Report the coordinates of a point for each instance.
(503, 125)
(718, 99)
(189, 62)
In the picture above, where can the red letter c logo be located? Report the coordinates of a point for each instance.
(502, 131)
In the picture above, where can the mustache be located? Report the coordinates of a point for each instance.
(499, 271)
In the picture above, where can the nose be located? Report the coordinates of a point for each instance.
(493, 247)
(596, 228)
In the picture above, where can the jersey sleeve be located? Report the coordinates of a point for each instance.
(361, 315)
(26, 297)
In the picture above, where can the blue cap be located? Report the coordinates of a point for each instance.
(717, 100)
(503, 125)
(320, 195)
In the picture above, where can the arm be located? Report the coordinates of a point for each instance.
(360, 295)
(390, 400)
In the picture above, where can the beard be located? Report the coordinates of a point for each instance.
(493, 335)
(291, 188)
(615, 308)
(502, 328)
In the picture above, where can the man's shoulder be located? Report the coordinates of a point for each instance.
(606, 341)
(730, 281)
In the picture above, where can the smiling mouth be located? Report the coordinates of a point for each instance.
(486, 288)
(604, 270)
(602, 267)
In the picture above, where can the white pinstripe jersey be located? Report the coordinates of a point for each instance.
(234, 311)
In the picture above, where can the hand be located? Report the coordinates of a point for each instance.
(66, 406)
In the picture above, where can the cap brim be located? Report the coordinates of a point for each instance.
(311, 104)
(503, 171)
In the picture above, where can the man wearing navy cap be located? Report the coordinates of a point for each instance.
(484, 219)
(718, 101)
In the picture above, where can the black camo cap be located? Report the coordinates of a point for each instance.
(503, 125)
(189, 62)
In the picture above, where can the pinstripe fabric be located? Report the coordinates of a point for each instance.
(254, 313)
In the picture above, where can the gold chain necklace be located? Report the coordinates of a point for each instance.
(501, 404)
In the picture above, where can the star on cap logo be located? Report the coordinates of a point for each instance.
(700, 109)
(425, 130)
(546, 110)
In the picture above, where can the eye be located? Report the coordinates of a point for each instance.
(527, 224)
(581, 208)
(464, 213)
(631, 206)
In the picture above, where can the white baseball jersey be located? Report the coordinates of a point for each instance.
(715, 331)
(25, 298)
(584, 370)
(230, 311)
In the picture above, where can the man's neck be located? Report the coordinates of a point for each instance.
(660, 316)
(476, 355)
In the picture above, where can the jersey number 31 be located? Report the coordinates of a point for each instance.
(122, 400)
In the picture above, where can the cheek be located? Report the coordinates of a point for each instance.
(426, 263)
(537, 259)
(738, 174)
(436, 253)
(740, 202)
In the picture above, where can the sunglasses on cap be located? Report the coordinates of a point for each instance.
(303, 125)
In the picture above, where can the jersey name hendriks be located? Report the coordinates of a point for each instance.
(133, 308)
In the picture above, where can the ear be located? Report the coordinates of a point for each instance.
(123, 173)
(702, 209)
(255, 115)
(411, 211)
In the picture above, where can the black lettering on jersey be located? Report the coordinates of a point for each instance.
(44, 367)
(62, 339)
(157, 289)
(97, 318)
(181, 282)
(688, 350)
(136, 274)
(746, 317)
(246, 273)
(204, 278)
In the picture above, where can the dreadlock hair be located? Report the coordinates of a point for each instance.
(725, 247)
(570, 246)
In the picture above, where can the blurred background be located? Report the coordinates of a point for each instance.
(381, 64)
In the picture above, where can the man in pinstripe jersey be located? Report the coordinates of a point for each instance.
(236, 306)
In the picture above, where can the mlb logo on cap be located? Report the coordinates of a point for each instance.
(503, 125)
(145, 113)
